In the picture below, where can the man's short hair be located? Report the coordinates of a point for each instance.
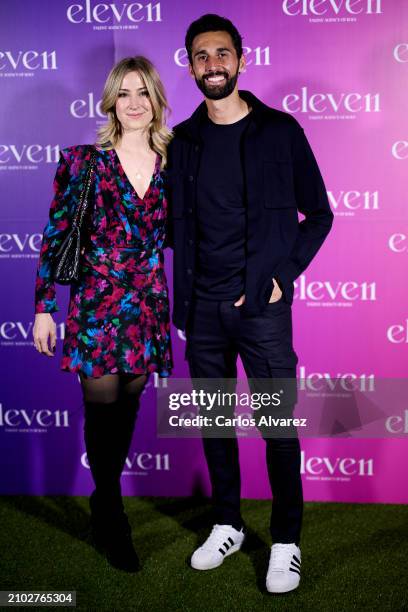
(212, 23)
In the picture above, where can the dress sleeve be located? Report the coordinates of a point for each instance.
(54, 231)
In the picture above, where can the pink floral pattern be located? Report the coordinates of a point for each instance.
(118, 316)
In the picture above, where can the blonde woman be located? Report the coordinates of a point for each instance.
(118, 327)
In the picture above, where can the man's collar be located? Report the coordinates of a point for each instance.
(191, 126)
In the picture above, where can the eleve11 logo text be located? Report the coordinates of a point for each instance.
(397, 333)
(32, 421)
(20, 245)
(333, 294)
(400, 53)
(255, 56)
(20, 333)
(331, 11)
(350, 203)
(140, 464)
(398, 243)
(329, 105)
(87, 107)
(399, 149)
(342, 381)
(340, 468)
(397, 423)
(27, 156)
(115, 15)
(26, 63)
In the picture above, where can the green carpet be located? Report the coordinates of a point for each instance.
(354, 557)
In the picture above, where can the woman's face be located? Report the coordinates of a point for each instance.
(133, 106)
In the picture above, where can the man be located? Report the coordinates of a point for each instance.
(239, 173)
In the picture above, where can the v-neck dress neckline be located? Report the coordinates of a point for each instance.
(126, 178)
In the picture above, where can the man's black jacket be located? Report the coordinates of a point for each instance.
(281, 178)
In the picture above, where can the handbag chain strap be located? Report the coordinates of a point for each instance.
(84, 199)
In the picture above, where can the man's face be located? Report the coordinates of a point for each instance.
(215, 65)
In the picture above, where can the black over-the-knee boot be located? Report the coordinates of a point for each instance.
(107, 431)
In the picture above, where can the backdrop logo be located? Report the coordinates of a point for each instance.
(400, 53)
(182, 335)
(323, 11)
(398, 243)
(348, 381)
(398, 333)
(258, 56)
(140, 464)
(87, 108)
(397, 424)
(329, 294)
(115, 15)
(155, 382)
(340, 468)
(27, 156)
(331, 106)
(399, 149)
(348, 203)
(20, 246)
(20, 333)
(26, 63)
(32, 421)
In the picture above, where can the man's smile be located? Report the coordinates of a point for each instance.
(215, 78)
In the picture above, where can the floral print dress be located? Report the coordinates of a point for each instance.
(118, 316)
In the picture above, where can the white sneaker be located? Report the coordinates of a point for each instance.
(222, 542)
(284, 568)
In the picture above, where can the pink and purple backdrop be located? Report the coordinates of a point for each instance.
(340, 67)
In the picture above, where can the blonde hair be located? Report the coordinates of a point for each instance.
(159, 135)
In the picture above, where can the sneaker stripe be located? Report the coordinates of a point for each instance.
(232, 541)
(221, 551)
(292, 569)
(227, 546)
(296, 559)
(295, 564)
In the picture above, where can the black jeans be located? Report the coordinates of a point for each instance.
(217, 333)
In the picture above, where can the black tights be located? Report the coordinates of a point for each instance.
(112, 388)
(111, 406)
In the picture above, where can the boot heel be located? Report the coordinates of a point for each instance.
(112, 535)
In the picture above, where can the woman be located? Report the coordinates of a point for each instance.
(118, 328)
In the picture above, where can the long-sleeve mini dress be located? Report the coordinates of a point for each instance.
(118, 316)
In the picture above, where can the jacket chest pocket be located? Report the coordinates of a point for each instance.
(278, 187)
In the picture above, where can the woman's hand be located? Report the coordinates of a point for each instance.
(44, 330)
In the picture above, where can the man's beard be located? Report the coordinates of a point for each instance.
(217, 92)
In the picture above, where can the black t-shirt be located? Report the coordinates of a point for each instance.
(221, 212)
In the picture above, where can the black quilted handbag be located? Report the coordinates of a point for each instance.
(66, 260)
